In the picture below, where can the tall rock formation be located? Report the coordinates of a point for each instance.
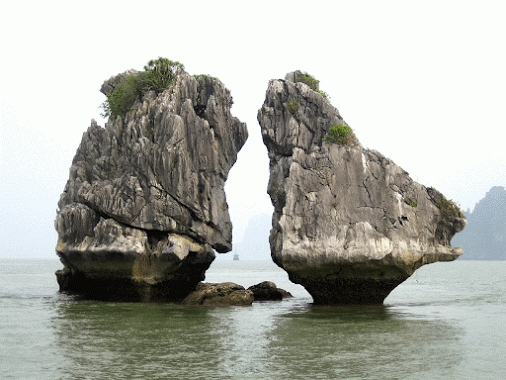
(349, 224)
(144, 205)
(485, 236)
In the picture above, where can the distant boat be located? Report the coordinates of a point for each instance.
(236, 257)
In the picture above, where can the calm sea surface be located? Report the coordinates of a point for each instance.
(448, 321)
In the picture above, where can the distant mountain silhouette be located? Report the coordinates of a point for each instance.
(484, 238)
(255, 244)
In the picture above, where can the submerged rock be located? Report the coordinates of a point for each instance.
(144, 207)
(349, 224)
(222, 294)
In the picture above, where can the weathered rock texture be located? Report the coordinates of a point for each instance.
(222, 294)
(231, 294)
(144, 205)
(349, 224)
(268, 291)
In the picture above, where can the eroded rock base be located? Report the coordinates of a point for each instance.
(335, 290)
(122, 290)
(350, 284)
(172, 286)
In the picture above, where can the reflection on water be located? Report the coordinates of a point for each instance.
(361, 342)
(267, 341)
(446, 322)
(136, 341)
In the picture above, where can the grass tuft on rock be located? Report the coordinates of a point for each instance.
(449, 208)
(341, 134)
(293, 106)
(313, 83)
(157, 76)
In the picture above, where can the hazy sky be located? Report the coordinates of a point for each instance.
(423, 82)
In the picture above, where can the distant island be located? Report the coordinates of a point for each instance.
(255, 244)
(484, 238)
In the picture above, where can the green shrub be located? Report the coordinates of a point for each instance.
(313, 83)
(449, 208)
(341, 134)
(159, 73)
(292, 106)
(157, 76)
(123, 97)
(324, 94)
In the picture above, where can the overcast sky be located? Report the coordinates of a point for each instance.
(424, 83)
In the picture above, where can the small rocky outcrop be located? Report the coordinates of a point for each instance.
(268, 291)
(222, 294)
(349, 224)
(232, 294)
(144, 207)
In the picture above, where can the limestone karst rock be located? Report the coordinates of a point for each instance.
(349, 224)
(232, 294)
(144, 207)
(222, 294)
(268, 291)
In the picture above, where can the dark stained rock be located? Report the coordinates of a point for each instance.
(144, 207)
(349, 224)
(222, 294)
(268, 291)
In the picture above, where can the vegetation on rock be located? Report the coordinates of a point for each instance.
(159, 73)
(157, 76)
(313, 83)
(449, 208)
(292, 106)
(341, 134)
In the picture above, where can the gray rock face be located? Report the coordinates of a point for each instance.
(144, 205)
(349, 224)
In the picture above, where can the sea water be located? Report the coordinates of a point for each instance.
(448, 321)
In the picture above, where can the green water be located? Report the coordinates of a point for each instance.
(446, 322)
